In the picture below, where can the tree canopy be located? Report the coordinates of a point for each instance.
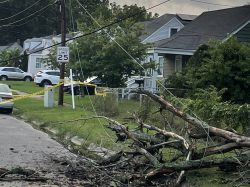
(37, 18)
(108, 53)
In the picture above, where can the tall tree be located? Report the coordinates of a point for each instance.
(34, 22)
(14, 55)
(107, 54)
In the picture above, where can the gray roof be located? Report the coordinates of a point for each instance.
(153, 25)
(11, 46)
(209, 25)
(68, 36)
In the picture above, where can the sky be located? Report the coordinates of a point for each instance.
(193, 7)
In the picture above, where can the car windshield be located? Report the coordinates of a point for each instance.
(4, 88)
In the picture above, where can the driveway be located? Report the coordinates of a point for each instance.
(25, 147)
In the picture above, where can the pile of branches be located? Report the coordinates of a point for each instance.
(144, 163)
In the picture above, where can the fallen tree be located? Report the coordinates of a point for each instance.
(144, 162)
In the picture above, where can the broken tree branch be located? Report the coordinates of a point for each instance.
(242, 141)
(196, 164)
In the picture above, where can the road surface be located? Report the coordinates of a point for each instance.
(25, 147)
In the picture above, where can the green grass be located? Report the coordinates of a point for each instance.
(91, 130)
(27, 87)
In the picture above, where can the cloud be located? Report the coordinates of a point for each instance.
(183, 6)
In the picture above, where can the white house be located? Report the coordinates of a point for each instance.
(12, 46)
(38, 50)
(162, 28)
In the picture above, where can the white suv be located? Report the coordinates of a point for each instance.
(47, 77)
(14, 73)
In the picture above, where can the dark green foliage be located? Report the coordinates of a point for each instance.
(99, 55)
(37, 25)
(47, 21)
(208, 105)
(24, 62)
(6, 55)
(223, 65)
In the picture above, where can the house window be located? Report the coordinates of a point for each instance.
(173, 31)
(38, 63)
(178, 63)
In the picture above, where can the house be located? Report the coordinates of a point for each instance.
(213, 25)
(156, 30)
(164, 27)
(12, 46)
(38, 50)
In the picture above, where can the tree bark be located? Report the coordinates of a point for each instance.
(242, 141)
(196, 164)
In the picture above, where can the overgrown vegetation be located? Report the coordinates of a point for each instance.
(208, 105)
(224, 65)
(216, 80)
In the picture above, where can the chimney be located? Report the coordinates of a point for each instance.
(54, 33)
(18, 41)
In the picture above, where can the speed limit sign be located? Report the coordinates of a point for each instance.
(62, 54)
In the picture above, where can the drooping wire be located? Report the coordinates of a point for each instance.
(2, 2)
(17, 21)
(20, 11)
(209, 3)
(204, 126)
(18, 25)
(82, 74)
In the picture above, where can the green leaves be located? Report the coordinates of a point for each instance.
(107, 54)
(223, 65)
(10, 57)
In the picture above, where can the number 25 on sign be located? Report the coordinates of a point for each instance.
(62, 54)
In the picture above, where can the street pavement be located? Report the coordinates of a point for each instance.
(23, 146)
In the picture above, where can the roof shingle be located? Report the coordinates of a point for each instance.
(209, 25)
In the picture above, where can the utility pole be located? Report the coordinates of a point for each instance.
(63, 38)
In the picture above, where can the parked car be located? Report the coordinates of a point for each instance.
(47, 77)
(15, 74)
(5, 95)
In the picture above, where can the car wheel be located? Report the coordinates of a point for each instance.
(4, 78)
(46, 82)
(6, 110)
(27, 79)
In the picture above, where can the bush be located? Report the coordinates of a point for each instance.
(208, 106)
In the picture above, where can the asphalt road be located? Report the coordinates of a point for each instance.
(23, 146)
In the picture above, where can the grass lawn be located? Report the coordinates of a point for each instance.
(93, 130)
(27, 87)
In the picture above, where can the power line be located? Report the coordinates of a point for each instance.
(217, 4)
(119, 45)
(2, 2)
(80, 62)
(91, 32)
(202, 125)
(101, 28)
(28, 20)
(20, 11)
(10, 24)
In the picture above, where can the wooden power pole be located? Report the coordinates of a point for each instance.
(63, 39)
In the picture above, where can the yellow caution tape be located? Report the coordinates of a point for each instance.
(30, 95)
(19, 97)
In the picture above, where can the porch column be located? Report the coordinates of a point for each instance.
(155, 73)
